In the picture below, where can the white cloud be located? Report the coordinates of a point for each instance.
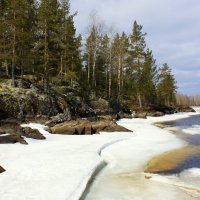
(172, 27)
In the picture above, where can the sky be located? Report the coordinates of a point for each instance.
(172, 27)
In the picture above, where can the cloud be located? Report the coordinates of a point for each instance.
(172, 27)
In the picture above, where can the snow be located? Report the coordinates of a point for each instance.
(195, 129)
(56, 168)
(60, 166)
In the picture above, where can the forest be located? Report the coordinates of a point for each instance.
(39, 45)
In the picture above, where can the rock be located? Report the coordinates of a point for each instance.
(19, 102)
(11, 126)
(32, 133)
(58, 119)
(160, 125)
(147, 177)
(122, 115)
(155, 114)
(80, 127)
(184, 109)
(108, 126)
(142, 115)
(107, 117)
(2, 169)
(41, 119)
(85, 127)
(11, 139)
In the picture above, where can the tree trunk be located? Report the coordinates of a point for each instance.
(46, 83)
(122, 75)
(94, 71)
(13, 49)
(61, 67)
(46, 75)
(110, 73)
(139, 100)
(106, 82)
(88, 70)
(119, 77)
(6, 62)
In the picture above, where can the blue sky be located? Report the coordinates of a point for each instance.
(172, 26)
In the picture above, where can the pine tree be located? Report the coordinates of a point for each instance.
(71, 43)
(149, 78)
(4, 37)
(166, 88)
(120, 50)
(137, 58)
(48, 43)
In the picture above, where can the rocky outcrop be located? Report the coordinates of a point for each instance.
(32, 133)
(12, 139)
(141, 114)
(184, 109)
(20, 102)
(11, 126)
(58, 119)
(155, 114)
(2, 169)
(85, 127)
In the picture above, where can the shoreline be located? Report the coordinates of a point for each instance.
(62, 156)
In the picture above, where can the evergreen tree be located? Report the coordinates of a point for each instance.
(48, 39)
(70, 57)
(149, 78)
(4, 37)
(120, 50)
(166, 88)
(137, 58)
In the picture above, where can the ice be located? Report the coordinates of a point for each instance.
(195, 129)
(60, 166)
(191, 176)
(57, 168)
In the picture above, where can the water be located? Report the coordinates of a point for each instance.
(191, 121)
(190, 129)
(181, 183)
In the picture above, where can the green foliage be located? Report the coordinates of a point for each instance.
(166, 87)
(38, 43)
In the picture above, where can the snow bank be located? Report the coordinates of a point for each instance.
(56, 168)
(60, 166)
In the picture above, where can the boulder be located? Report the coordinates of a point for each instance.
(108, 126)
(79, 127)
(85, 127)
(2, 169)
(13, 138)
(155, 114)
(32, 133)
(59, 119)
(142, 115)
(19, 102)
(11, 126)
(184, 109)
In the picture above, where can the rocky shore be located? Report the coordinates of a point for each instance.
(63, 114)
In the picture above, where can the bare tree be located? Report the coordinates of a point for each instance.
(93, 42)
